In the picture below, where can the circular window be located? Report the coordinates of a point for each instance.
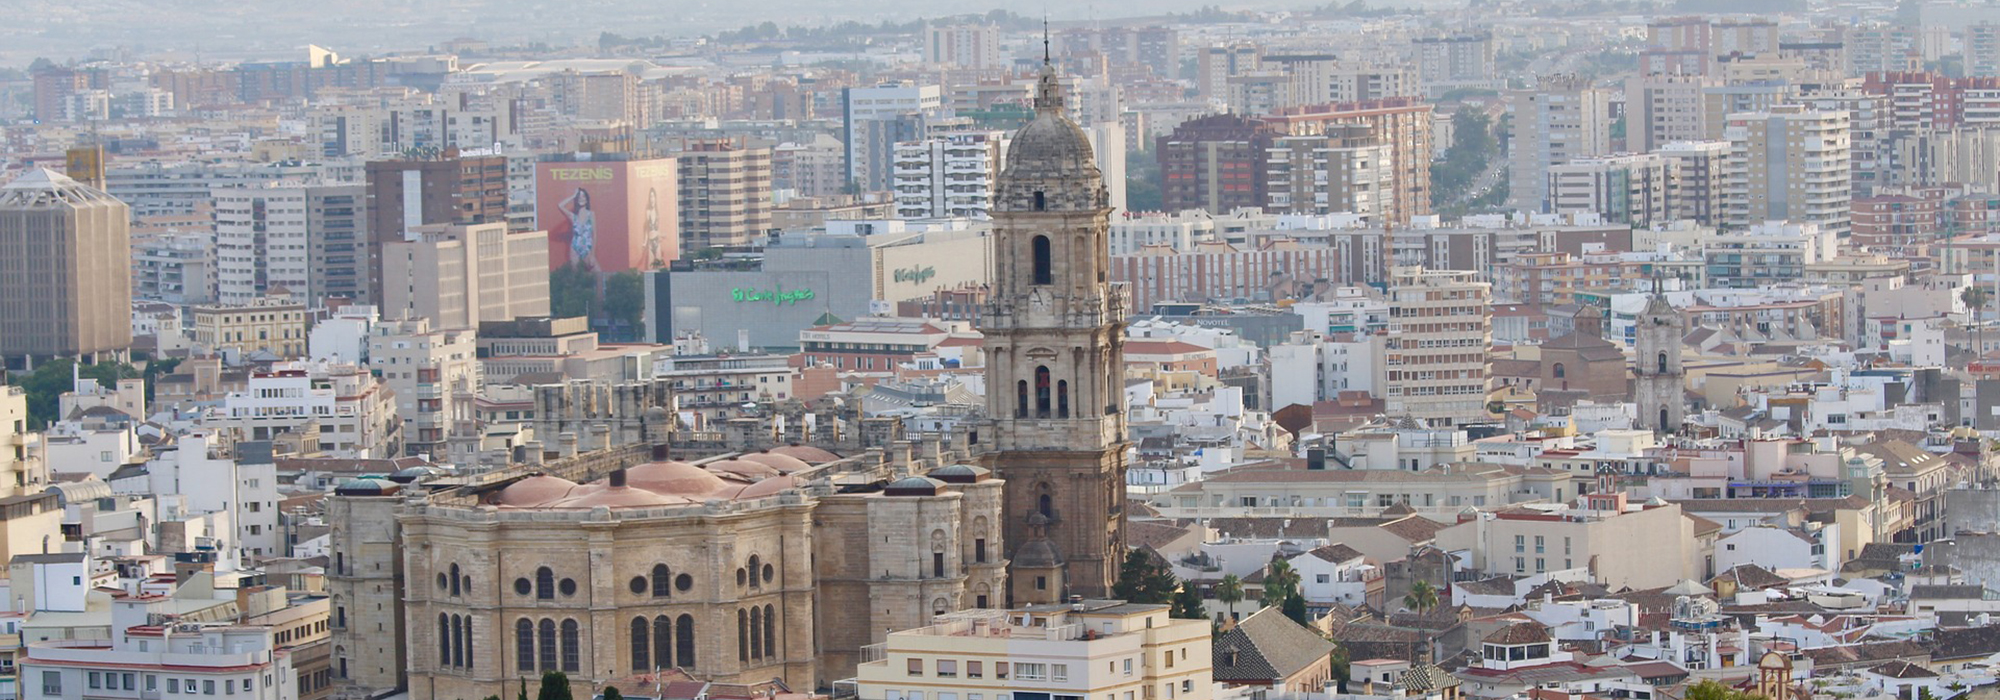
(568, 586)
(769, 573)
(442, 582)
(638, 585)
(522, 586)
(742, 577)
(683, 582)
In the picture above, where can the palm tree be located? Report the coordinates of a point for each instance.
(1281, 581)
(1423, 597)
(1230, 590)
(1976, 298)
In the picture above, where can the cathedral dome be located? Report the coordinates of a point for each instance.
(806, 453)
(767, 487)
(621, 497)
(1050, 166)
(674, 479)
(536, 490)
(782, 462)
(743, 468)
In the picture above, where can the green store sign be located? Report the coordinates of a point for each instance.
(919, 274)
(778, 297)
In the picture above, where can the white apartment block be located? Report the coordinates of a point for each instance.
(948, 176)
(1794, 167)
(1629, 188)
(1564, 118)
(1440, 327)
(1097, 650)
(144, 660)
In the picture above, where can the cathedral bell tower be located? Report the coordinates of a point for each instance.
(1055, 386)
(1657, 379)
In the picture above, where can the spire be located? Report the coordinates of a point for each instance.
(1048, 91)
(1047, 57)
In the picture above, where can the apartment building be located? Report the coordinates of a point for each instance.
(147, 659)
(1347, 170)
(1440, 326)
(177, 268)
(725, 195)
(1618, 544)
(1767, 253)
(65, 269)
(1795, 167)
(1628, 188)
(948, 176)
(1664, 108)
(1697, 174)
(436, 380)
(404, 194)
(307, 239)
(265, 324)
(1106, 649)
(1401, 123)
(1563, 117)
(459, 276)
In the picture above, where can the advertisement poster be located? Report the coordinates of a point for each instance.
(608, 216)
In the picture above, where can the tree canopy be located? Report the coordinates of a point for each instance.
(1145, 579)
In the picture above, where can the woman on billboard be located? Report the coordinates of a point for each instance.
(655, 258)
(582, 227)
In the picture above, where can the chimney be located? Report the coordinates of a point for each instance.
(1316, 458)
(660, 452)
(618, 478)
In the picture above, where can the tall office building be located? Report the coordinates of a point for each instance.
(1562, 118)
(308, 240)
(1440, 325)
(1794, 166)
(725, 195)
(65, 270)
(877, 118)
(460, 276)
(405, 194)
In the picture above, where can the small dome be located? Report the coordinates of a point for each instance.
(674, 479)
(412, 474)
(1037, 554)
(744, 468)
(1037, 519)
(767, 487)
(537, 490)
(365, 487)
(782, 462)
(960, 474)
(913, 486)
(806, 453)
(1655, 501)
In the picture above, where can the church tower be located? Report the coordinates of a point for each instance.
(1055, 386)
(1656, 371)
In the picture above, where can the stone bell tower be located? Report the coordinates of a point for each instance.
(1055, 361)
(1657, 378)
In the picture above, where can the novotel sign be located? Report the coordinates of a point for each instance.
(918, 275)
(778, 297)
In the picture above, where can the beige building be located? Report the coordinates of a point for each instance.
(1346, 170)
(65, 270)
(267, 324)
(1663, 109)
(1696, 174)
(435, 377)
(1627, 188)
(458, 276)
(1794, 166)
(1439, 329)
(1622, 546)
(725, 197)
(1289, 487)
(1562, 118)
(1105, 649)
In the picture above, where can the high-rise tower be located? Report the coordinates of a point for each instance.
(1055, 361)
(1656, 371)
(65, 270)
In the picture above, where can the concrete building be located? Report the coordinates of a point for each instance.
(876, 119)
(725, 195)
(65, 270)
(1440, 328)
(1767, 253)
(436, 380)
(1629, 545)
(1454, 61)
(1661, 109)
(1214, 163)
(264, 325)
(142, 658)
(963, 45)
(458, 276)
(1562, 118)
(1697, 178)
(347, 407)
(1402, 123)
(1342, 171)
(307, 239)
(405, 194)
(1795, 166)
(948, 176)
(1098, 649)
(1625, 188)
(176, 268)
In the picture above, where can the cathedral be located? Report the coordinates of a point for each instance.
(1055, 390)
(1657, 384)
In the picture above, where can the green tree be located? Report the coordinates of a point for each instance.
(1281, 581)
(1187, 604)
(1142, 181)
(524, 690)
(1294, 607)
(1145, 579)
(572, 292)
(1343, 662)
(555, 686)
(1976, 298)
(46, 385)
(1422, 598)
(625, 302)
(1230, 590)
(611, 693)
(1711, 690)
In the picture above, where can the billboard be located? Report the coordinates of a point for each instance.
(609, 216)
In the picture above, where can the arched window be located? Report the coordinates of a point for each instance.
(545, 638)
(545, 583)
(642, 656)
(1042, 391)
(663, 642)
(1560, 372)
(454, 581)
(756, 632)
(663, 581)
(457, 641)
(1041, 201)
(1045, 506)
(1663, 420)
(770, 631)
(465, 623)
(1044, 273)
(1663, 362)
(524, 645)
(754, 568)
(1062, 398)
(444, 640)
(1021, 399)
(570, 660)
(684, 641)
(742, 635)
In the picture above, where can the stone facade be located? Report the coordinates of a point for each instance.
(1656, 373)
(1054, 330)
